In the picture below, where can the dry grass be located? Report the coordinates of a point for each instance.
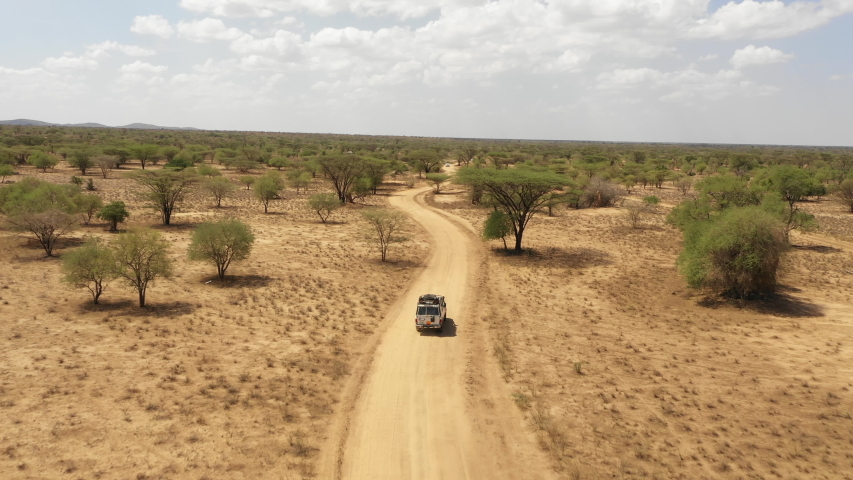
(236, 379)
(623, 372)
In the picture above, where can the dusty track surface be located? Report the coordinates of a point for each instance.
(425, 408)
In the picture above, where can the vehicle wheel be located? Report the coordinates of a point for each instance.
(441, 328)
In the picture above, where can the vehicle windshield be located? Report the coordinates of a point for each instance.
(428, 311)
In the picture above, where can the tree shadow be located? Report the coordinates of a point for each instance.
(449, 330)
(103, 306)
(238, 281)
(785, 305)
(62, 243)
(638, 230)
(780, 304)
(176, 227)
(577, 257)
(818, 248)
(169, 309)
(395, 263)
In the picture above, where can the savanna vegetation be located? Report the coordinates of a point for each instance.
(580, 227)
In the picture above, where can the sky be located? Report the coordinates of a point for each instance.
(696, 71)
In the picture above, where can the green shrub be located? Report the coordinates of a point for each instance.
(324, 204)
(497, 226)
(736, 252)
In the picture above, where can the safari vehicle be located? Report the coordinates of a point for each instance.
(431, 313)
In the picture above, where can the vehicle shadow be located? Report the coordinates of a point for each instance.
(449, 330)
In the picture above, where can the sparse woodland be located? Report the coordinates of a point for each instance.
(673, 311)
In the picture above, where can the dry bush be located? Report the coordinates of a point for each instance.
(600, 193)
(634, 212)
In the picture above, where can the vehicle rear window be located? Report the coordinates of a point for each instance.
(428, 311)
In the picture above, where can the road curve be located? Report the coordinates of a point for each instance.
(410, 416)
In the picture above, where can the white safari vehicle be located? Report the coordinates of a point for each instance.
(431, 313)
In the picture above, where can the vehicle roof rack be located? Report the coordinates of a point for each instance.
(428, 299)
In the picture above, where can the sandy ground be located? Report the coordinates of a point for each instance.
(624, 372)
(219, 380)
(586, 358)
(417, 413)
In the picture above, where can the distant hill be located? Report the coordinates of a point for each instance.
(136, 126)
(146, 126)
(24, 121)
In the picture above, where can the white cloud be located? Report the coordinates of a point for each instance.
(596, 51)
(94, 54)
(267, 8)
(751, 55)
(841, 77)
(142, 67)
(687, 86)
(31, 84)
(207, 29)
(625, 78)
(100, 50)
(83, 62)
(141, 73)
(770, 19)
(478, 39)
(228, 8)
(283, 43)
(152, 25)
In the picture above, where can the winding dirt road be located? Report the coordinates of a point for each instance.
(425, 408)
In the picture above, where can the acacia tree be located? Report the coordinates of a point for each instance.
(141, 257)
(425, 161)
(219, 187)
(268, 187)
(323, 204)
(88, 204)
(166, 189)
(342, 170)
(106, 164)
(498, 225)
(845, 192)
(42, 209)
(91, 266)
(42, 161)
(437, 179)
(115, 213)
(144, 153)
(299, 179)
(518, 192)
(81, 158)
(792, 184)
(385, 225)
(169, 152)
(221, 243)
(6, 171)
(374, 171)
(466, 154)
(247, 180)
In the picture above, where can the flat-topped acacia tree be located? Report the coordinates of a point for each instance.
(342, 170)
(518, 192)
(165, 188)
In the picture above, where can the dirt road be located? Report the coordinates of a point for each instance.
(412, 416)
